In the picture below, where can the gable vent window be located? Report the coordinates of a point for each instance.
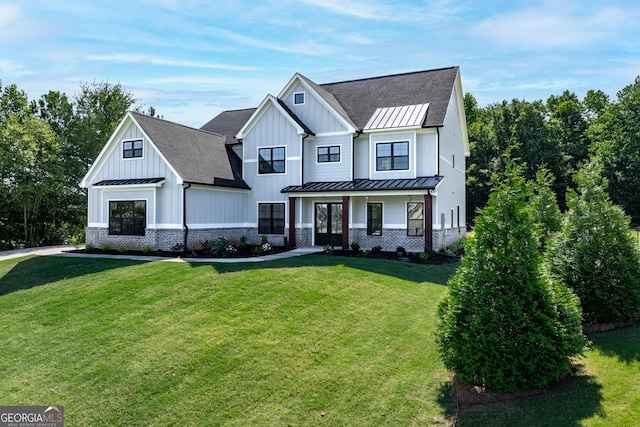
(132, 149)
(298, 98)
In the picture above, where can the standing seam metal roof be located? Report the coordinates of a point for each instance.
(422, 183)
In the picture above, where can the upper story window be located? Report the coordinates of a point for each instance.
(271, 160)
(329, 154)
(131, 149)
(392, 156)
(298, 98)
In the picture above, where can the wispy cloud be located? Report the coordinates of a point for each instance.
(9, 13)
(311, 48)
(550, 26)
(367, 9)
(157, 60)
(13, 69)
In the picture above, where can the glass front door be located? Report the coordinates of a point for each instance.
(328, 228)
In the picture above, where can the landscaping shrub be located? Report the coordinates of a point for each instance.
(594, 254)
(504, 325)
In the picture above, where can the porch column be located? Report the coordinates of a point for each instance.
(428, 223)
(345, 222)
(292, 222)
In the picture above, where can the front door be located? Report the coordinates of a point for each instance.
(328, 227)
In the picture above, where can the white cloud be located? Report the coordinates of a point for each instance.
(551, 25)
(9, 13)
(157, 60)
(13, 69)
(368, 10)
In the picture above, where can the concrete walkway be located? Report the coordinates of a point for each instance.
(61, 251)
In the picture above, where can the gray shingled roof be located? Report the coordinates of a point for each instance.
(360, 98)
(229, 123)
(422, 183)
(357, 100)
(198, 156)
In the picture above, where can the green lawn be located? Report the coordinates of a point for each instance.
(268, 344)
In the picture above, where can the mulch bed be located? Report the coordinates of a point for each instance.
(179, 254)
(437, 258)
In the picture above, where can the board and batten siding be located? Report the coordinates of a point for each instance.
(427, 153)
(361, 149)
(209, 207)
(451, 191)
(377, 138)
(313, 113)
(330, 171)
(271, 130)
(150, 165)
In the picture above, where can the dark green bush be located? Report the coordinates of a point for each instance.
(595, 254)
(504, 325)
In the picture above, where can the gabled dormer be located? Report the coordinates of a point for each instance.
(315, 106)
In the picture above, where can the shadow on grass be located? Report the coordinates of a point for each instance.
(40, 270)
(563, 404)
(403, 270)
(623, 343)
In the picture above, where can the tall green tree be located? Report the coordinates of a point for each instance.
(594, 254)
(567, 125)
(504, 325)
(31, 173)
(617, 132)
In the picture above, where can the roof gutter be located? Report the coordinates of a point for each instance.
(185, 185)
(306, 135)
(353, 148)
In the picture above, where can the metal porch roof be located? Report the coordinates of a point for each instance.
(422, 183)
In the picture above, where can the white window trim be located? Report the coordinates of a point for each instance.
(328, 145)
(132, 140)
(131, 199)
(286, 215)
(375, 155)
(304, 98)
(274, 173)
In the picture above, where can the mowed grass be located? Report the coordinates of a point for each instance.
(133, 344)
(313, 340)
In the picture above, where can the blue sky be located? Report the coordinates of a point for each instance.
(191, 59)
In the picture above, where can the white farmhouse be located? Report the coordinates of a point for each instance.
(377, 161)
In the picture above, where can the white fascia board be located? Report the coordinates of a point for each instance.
(113, 142)
(269, 100)
(105, 150)
(461, 115)
(393, 130)
(297, 78)
(128, 187)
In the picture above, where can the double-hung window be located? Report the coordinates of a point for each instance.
(271, 218)
(132, 149)
(271, 160)
(415, 219)
(374, 219)
(329, 154)
(391, 156)
(127, 218)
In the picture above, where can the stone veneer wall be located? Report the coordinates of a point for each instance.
(168, 240)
